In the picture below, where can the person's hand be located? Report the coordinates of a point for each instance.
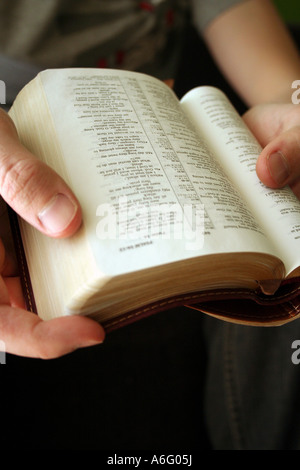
(41, 197)
(32, 189)
(277, 128)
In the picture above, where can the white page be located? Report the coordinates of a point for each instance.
(277, 211)
(142, 166)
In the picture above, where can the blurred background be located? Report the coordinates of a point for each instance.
(290, 10)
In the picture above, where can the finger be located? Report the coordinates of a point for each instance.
(10, 288)
(2, 256)
(8, 266)
(14, 291)
(25, 334)
(266, 122)
(4, 296)
(279, 162)
(34, 190)
(169, 82)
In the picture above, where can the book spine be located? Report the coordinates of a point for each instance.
(22, 263)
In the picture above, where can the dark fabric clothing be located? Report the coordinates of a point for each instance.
(177, 380)
(252, 387)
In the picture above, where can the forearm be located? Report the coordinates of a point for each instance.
(255, 52)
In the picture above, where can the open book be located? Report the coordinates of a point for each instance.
(173, 211)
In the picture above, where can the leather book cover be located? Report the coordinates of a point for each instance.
(243, 306)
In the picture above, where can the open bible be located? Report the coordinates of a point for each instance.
(173, 211)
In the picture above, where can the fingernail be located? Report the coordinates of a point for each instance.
(58, 214)
(278, 167)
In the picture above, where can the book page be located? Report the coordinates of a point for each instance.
(146, 182)
(236, 149)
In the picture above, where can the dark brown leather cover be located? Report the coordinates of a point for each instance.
(235, 305)
(252, 307)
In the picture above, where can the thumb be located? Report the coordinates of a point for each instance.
(279, 162)
(32, 189)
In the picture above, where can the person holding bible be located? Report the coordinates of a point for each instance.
(254, 52)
